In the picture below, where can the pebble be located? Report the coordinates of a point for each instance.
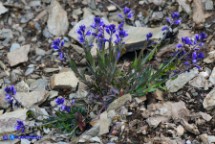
(212, 77)
(14, 46)
(2, 9)
(111, 8)
(157, 16)
(209, 5)
(19, 55)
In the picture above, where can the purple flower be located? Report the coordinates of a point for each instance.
(73, 101)
(65, 108)
(20, 126)
(203, 36)
(83, 33)
(110, 29)
(57, 45)
(59, 101)
(187, 40)
(201, 55)
(97, 23)
(121, 34)
(174, 19)
(148, 36)
(194, 57)
(179, 45)
(10, 90)
(175, 15)
(128, 13)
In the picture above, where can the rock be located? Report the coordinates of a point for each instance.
(6, 34)
(29, 99)
(111, 8)
(39, 85)
(50, 70)
(40, 52)
(212, 77)
(199, 15)
(180, 130)
(57, 22)
(210, 58)
(104, 123)
(156, 16)
(3, 103)
(155, 121)
(190, 127)
(181, 80)
(14, 46)
(209, 101)
(2, 9)
(199, 82)
(209, 5)
(22, 87)
(157, 2)
(64, 80)
(30, 70)
(137, 36)
(119, 102)
(185, 6)
(8, 120)
(205, 116)
(19, 55)
(207, 139)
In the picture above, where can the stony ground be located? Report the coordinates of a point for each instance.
(184, 114)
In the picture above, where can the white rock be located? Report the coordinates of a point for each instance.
(3, 102)
(14, 46)
(119, 102)
(137, 36)
(181, 80)
(64, 80)
(180, 130)
(210, 58)
(29, 99)
(57, 22)
(22, 87)
(209, 101)
(199, 82)
(19, 55)
(212, 77)
(157, 15)
(155, 121)
(2, 9)
(111, 8)
(185, 6)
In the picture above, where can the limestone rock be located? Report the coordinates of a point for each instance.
(2, 9)
(209, 101)
(119, 102)
(64, 80)
(29, 99)
(212, 77)
(19, 55)
(199, 82)
(181, 80)
(57, 22)
(185, 6)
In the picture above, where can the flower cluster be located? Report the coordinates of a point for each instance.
(128, 13)
(10, 92)
(174, 19)
(20, 126)
(57, 45)
(82, 34)
(61, 102)
(191, 47)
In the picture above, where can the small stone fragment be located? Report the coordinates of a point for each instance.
(19, 55)
(155, 121)
(209, 101)
(14, 46)
(185, 6)
(57, 22)
(2, 9)
(156, 16)
(180, 130)
(29, 99)
(22, 87)
(205, 116)
(119, 102)
(209, 5)
(212, 77)
(64, 80)
(181, 80)
(111, 8)
(199, 82)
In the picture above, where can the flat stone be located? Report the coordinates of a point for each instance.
(57, 22)
(29, 99)
(155, 121)
(185, 6)
(210, 58)
(209, 101)
(39, 85)
(64, 80)
(8, 120)
(137, 36)
(22, 87)
(199, 82)
(3, 103)
(119, 102)
(212, 77)
(209, 5)
(2, 9)
(181, 80)
(14, 46)
(19, 55)
(157, 16)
